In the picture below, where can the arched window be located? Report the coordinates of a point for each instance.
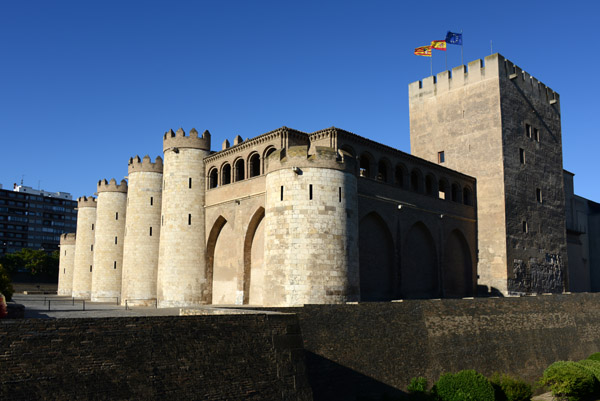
(254, 165)
(266, 154)
(443, 189)
(429, 184)
(467, 196)
(456, 192)
(213, 178)
(382, 171)
(239, 170)
(226, 174)
(415, 178)
(399, 176)
(365, 165)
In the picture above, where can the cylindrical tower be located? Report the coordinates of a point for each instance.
(84, 247)
(142, 231)
(109, 238)
(311, 228)
(182, 278)
(66, 264)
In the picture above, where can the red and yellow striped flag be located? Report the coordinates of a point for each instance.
(423, 51)
(438, 45)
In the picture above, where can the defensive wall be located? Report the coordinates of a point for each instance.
(352, 351)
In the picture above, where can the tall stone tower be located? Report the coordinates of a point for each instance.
(499, 124)
(66, 264)
(109, 238)
(311, 228)
(182, 277)
(142, 228)
(84, 247)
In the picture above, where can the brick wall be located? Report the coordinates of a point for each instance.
(256, 357)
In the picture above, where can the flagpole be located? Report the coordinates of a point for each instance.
(462, 40)
(431, 62)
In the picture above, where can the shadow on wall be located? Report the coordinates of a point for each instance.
(485, 291)
(332, 381)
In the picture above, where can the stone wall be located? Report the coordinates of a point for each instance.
(366, 350)
(84, 247)
(67, 262)
(240, 357)
(108, 242)
(142, 228)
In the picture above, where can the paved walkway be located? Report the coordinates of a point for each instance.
(40, 306)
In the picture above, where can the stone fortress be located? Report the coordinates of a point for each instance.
(290, 218)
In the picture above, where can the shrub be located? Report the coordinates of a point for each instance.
(6, 287)
(569, 379)
(591, 366)
(594, 356)
(417, 389)
(466, 385)
(508, 388)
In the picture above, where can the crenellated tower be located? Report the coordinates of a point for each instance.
(84, 247)
(311, 227)
(182, 277)
(109, 239)
(66, 264)
(497, 123)
(142, 231)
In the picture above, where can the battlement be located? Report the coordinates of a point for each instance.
(85, 201)
(298, 156)
(111, 186)
(180, 140)
(136, 165)
(493, 66)
(67, 239)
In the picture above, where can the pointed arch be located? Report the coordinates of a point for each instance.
(457, 269)
(210, 250)
(419, 273)
(376, 259)
(250, 245)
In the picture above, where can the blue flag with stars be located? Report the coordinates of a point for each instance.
(454, 38)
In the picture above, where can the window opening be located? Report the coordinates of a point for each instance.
(90, 268)
(116, 215)
(524, 226)
(190, 182)
(340, 193)
(115, 264)
(151, 231)
(189, 219)
(115, 240)
(151, 201)
(310, 191)
(522, 155)
(441, 157)
(538, 195)
(281, 192)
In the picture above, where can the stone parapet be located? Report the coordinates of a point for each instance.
(86, 201)
(67, 239)
(299, 157)
(180, 140)
(136, 165)
(106, 186)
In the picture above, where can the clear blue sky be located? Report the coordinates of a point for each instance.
(84, 85)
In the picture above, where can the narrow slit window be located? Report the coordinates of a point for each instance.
(525, 229)
(115, 264)
(116, 215)
(151, 231)
(339, 194)
(538, 195)
(522, 155)
(536, 134)
(190, 182)
(64, 271)
(310, 191)
(189, 219)
(90, 268)
(92, 247)
(115, 240)
(441, 157)
(151, 201)
(528, 130)
(92, 226)
(281, 198)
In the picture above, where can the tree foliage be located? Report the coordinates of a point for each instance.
(34, 262)
(5, 286)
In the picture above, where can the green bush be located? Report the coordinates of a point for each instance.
(569, 379)
(594, 356)
(6, 287)
(466, 385)
(591, 366)
(418, 389)
(508, 388)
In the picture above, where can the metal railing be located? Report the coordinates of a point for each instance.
(141, 299)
